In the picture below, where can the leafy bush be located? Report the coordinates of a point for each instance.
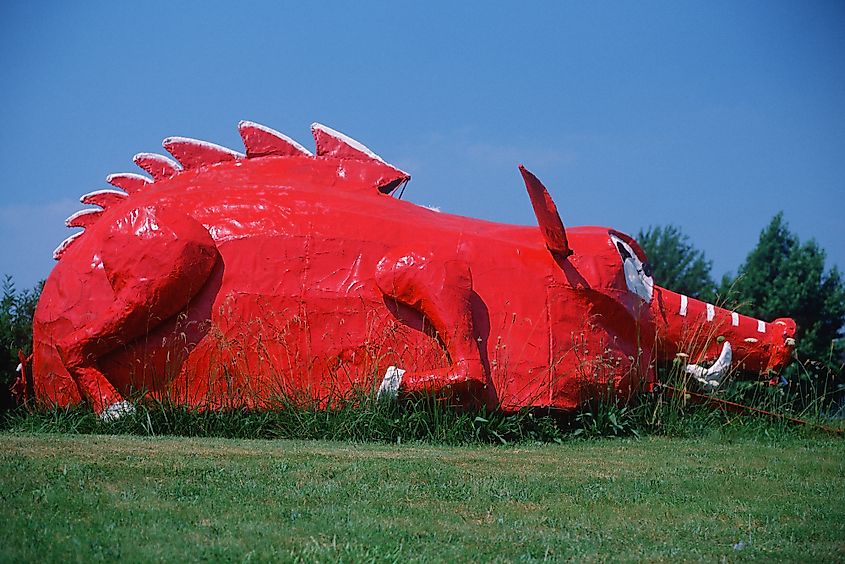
(16, 310)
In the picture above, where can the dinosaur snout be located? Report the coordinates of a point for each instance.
(782, 343)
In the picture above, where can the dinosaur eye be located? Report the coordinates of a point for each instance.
(623, 252)
(637, 273)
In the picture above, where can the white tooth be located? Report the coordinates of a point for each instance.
(761, 326)
(790, 342)
(684, 302)
(711, 312)
(751, 340)
(735, 319)
(711, 378)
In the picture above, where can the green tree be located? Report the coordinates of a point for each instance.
(676, 264)
(16, 311)
(782, 277)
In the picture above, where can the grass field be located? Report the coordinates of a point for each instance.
(99, 497)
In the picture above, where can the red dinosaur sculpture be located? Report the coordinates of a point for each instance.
(231, 279)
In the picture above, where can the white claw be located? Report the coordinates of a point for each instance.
(117, 410)
(389, 388)
(711, 378)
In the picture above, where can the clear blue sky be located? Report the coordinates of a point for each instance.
(712, 115)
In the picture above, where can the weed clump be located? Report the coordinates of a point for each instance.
(423, 420)
(366, 419)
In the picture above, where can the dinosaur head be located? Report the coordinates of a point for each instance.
(612, 267)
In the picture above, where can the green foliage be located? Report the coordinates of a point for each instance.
(782, 277)
(359, 419)
(676, 264)
(681, 409)
(16, 310)
(609, 419)
(424, 420)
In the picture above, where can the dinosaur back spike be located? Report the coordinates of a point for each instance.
(65, 245)
(193, 153)
(129, 182)
(103, 198)
(331, 143)
(157, 166)
(83, 218)
(261, 140)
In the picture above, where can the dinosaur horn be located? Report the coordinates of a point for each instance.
(129, 182)
(260, 141)
(157, 166)
(547, 216)
(103, 198)
(193, 153)
(83, 218)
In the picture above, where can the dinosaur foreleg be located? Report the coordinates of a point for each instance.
(441, 291)
(155, 261)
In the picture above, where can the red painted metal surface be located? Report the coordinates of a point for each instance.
(229, 279)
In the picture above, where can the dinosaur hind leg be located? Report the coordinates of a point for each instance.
(441, 291)
(155, 261)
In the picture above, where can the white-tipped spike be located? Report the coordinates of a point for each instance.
(64, 245)
(344, 139)
(262, 140)
(194, 153)
(157, 166)
(103, 198)
(130, 182)
(83, 218)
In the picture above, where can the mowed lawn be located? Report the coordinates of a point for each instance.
(122, 498)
